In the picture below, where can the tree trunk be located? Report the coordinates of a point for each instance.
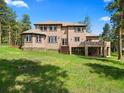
(120, 44)
(15, 38)
(0, 34)
(9, 35)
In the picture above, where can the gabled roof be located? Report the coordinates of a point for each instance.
(33, 31)
(60, 23)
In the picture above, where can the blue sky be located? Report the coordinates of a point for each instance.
(63, 10)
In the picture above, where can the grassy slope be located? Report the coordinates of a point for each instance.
(50, 72)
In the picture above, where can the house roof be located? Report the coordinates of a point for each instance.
(60, 23)
(33, 31)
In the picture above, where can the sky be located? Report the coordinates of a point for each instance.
(63, 10)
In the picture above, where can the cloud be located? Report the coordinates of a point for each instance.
(106, 18)
(107, 1)
(17, 3)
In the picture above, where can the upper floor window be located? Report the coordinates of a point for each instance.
(82, 29)
(28, 38)
(52, 28)
(78, 29)
(77, 39)
(38, 39)
(43, 28)
(52, 39)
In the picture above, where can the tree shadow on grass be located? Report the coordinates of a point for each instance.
(102, 59)
(25, 76)
(107, 71)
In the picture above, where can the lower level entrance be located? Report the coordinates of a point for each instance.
(78, 50)
(94, 51)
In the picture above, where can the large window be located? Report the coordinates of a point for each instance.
(28, 38)
(77, 39)
(52, 39)
(38, 39)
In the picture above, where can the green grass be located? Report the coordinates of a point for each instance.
(50, 72)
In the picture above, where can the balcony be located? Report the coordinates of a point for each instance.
(93, 44)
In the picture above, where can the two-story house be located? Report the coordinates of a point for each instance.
(69, 38)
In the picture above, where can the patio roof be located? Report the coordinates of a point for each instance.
(34, 31)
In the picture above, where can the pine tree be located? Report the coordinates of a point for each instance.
(106, 32)
(116, 8)
(3, 17)
(88, 23)
(26, 23)
(11, 24)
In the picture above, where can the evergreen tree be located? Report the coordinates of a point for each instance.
(116, 8)
(106, 32)
(26, 23)
(3, 16)
(11, 25)
(114, 40)
(88, 23)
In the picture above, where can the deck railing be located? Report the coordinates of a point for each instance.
(91, 43)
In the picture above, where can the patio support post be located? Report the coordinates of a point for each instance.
(70, 51)
(86, 51)
(101, 51)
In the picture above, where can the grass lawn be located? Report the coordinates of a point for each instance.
(50, 72)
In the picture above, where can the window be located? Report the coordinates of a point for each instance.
(52, 39)
(28, 38)
(77, 29)
(43, 28)
(38, 39)
(77, 39)
(82, 29)
(53, 28)
(64, 41)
